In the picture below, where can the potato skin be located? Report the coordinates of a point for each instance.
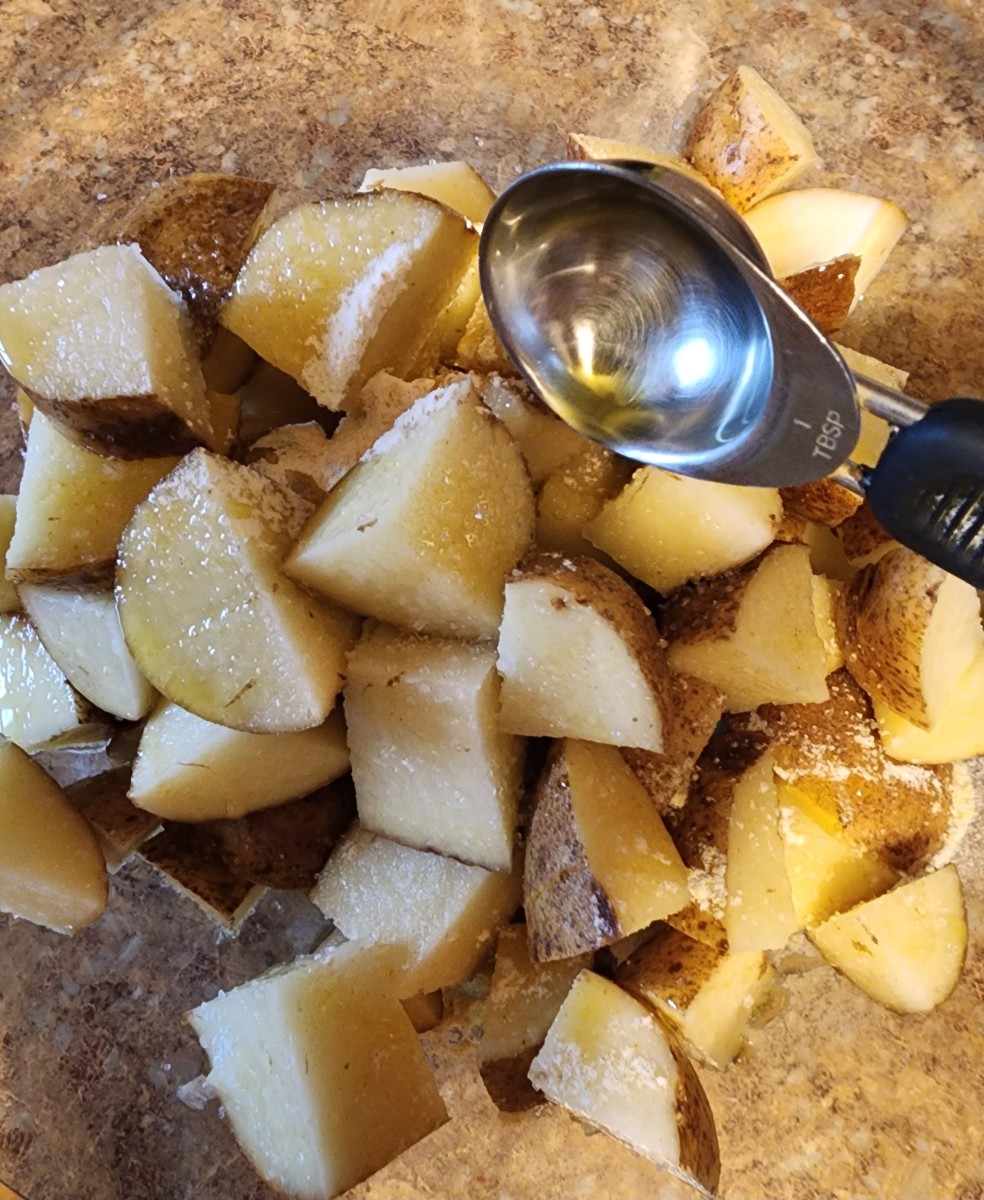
(826, 292)
(125, 427)
(823, 501)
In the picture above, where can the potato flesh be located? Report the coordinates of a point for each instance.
(585, 147)
(189, 769)
(52, 871)
(760, 914)
(100, 326)
(568, 672)
(455, 184)
(73, 505)
(545, 440)
(441, 912)
(667, 530)
(801, 228)
(606, 1059)
(431, 767)
(9, 600)
(905, 949)
(320, 1072)
(773, 653)
(957, 733)
(208, 615)
(82, 633)
(422, 532)
(335, 291)
(574, 494)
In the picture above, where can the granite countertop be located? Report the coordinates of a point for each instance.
(837, 1097)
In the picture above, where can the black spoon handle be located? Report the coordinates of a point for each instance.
(927, 490)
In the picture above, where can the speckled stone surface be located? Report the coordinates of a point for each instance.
(837, 1097)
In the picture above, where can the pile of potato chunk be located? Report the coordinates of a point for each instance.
(396, 635)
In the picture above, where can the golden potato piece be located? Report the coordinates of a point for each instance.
(209, 616)
(106, 349)
(910, 633)
(480, 348)
(958, 731)
(52, 871)
(422, 532)
(667, 530)
(585, 147)
(455, 184)
(599, 862)
(747, 141)
(753, 632)
(608, 1060)
(546, 441)
(580, 656)
(573, 495)
(320, 1071)
(906, 949)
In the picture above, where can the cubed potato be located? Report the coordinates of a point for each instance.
(456, 184)
(827, 555)
(825, 292)
(753, 633)
(41, 709)
(875, 431)
(666, 529)
(864, 541)
(81, 631)
(747, 141)
(826, 593)
(72, 508)
(270, 398)
(524, 998)
(335, 291)
(580, 656)
(545, 440)
(910, 633)
(708, 996)
(827, 871)
(760, 912)
(905, 949)
(52, 871)
(607, 1059)
(824, 500)
(422, 532)
(599, 861)
(585, 147)
(425, 1011)
(573, 495)
(9, 600)
(442, 912)
(440, 345)
(832, 754)
(196, 231)
(209, 616)
(320, 1071)
(958, 731)
(799, 229)
(106, 349)
(296, 457)
(431, 766)
(189, 769)
(286, 846)
(228, 364)
(186, 860)
(226, 410)
(480, 348)
(120, 827)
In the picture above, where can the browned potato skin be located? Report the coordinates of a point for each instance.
(188, 859)
(832, 752)
(118, 824)
(882, 615)
(577, 916)
(125, 427)
(196, 231)
(863, 539)
(699, 1150)
(823, 501)
(825, 293)
(672, 969)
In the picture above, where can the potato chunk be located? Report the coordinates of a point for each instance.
(545, 440)
(9, 600)
(431, 767)
(906, 949)
(335, 291)
(580, 656)
(753, 633)
(443, 913)
(72, 507)
(599, 862)
(207, 613)
(801, 228)
(52, 871)
(320, 1071)
(105, 348)
(422, 532)
(608, 1061)
(910, 632)
(575, 493)
(81, 631)
(747, 141)
(524, 997)
(666, 529)
(584, 147)
(188, 769)
(455, 184)
(957, 733)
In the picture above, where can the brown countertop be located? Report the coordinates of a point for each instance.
(837, 1098)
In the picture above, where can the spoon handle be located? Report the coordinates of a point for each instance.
(927, 490)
